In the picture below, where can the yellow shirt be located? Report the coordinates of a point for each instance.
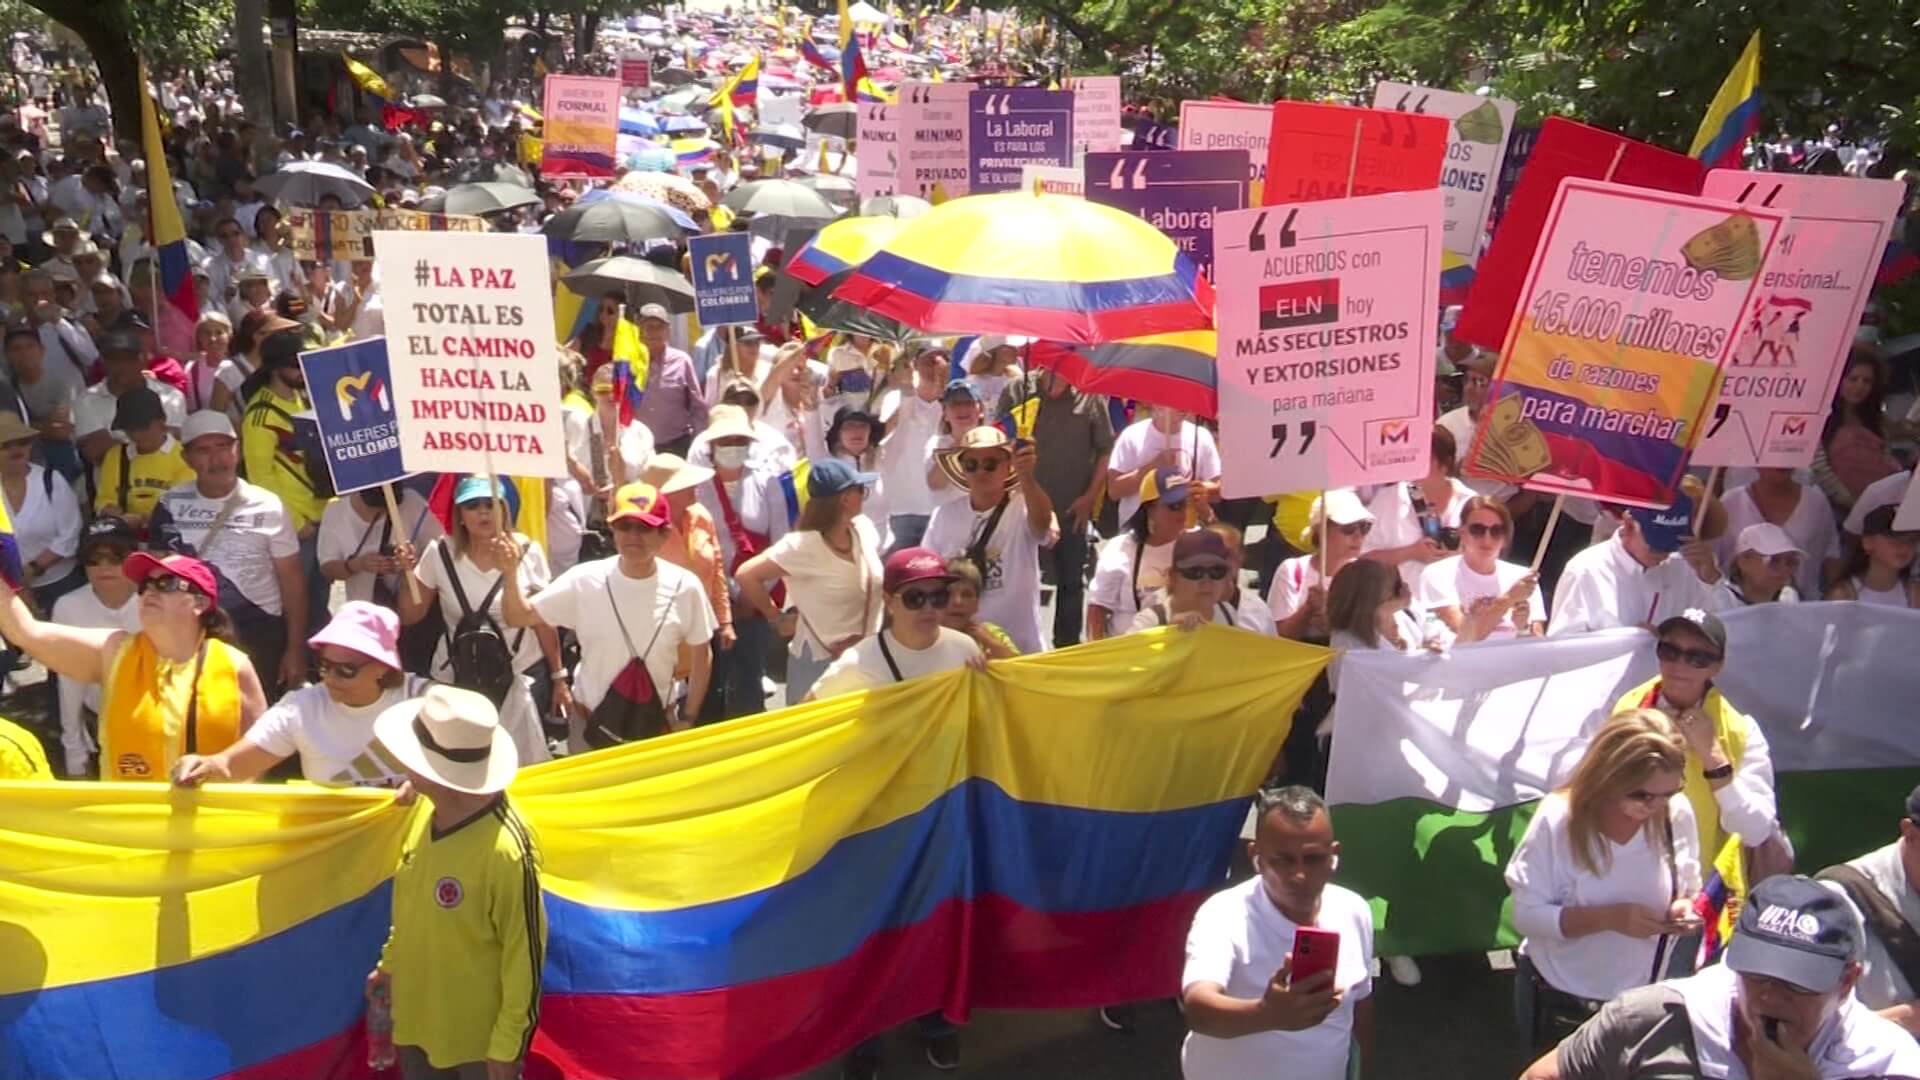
(273, 460)
(21, 755)
(469, 939)
(149, 476)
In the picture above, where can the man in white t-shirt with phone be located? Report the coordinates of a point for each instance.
(1278, 975)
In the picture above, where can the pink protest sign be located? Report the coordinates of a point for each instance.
(936, 150)
(1326, 341)
(1627, 314)
(1794, 339)
(1096, 113)
(1230, 125)
(877, 149)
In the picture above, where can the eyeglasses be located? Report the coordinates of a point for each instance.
(986, 465)
(166, 583)
(1482, 532)
(915, 599)
(331, 668)
(1648, 798)
(1670, 653)
(1358, 528)
(1213, 571)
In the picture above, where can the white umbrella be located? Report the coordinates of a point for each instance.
(305, 183)
(864, 14)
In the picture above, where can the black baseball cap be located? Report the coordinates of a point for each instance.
(1704, 623)
(120, 341)
(137, 408)
(107, 530)
(1797, 930)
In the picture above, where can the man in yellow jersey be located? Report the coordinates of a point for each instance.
(273, 458)
(137, 472)
(462, 963)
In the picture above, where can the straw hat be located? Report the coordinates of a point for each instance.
(728, 422)
(669, 473)
(985, 437)
(451, 736)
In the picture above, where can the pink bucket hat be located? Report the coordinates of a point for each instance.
(368, 629)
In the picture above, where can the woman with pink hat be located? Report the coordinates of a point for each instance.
(330, 724)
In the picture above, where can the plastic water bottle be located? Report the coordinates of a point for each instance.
(380, 1052)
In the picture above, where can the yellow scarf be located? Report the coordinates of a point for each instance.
(1729, 730)
(146, 702)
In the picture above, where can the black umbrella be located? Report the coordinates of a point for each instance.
(841, 120)
(643, 282)
(612, 221)
(485, 197)
(501, 172)
(784, 136)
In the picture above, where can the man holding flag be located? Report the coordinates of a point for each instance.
(1074, 434)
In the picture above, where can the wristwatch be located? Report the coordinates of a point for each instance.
(1721, 773)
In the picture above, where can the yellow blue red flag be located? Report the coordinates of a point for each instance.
(1734, 115)
(166, 230)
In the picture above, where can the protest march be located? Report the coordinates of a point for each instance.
(742, 542)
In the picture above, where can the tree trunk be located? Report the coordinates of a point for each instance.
(252, 73)
(103, 28)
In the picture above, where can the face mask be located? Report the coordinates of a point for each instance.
(730, 457)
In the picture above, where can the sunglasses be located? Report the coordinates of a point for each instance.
(630, 525)
(986, 465)
(1670, 653)
(1482, 532)
(108, 558)
(331, 668)
(1358, 528)
(1648, 798)
(1200, 573)
(915, 599)
(477, 504)
(166, 583)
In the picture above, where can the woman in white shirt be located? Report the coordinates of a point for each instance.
(1368, 608)
(1881, 570)
(1195, 593)
(831, 566)
(1478, 595)
(357, 541)
(1604, 880)
(1416, 524)
(1777, 498)
(1134, 564)
(211, 337)
(107, 603)
(45, 515)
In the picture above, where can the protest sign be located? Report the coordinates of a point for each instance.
(339, 235)
(1096, 113)
(1052, 180)
(933, 134)
(1520, 146)
(1564, 149)
(1230, 125)
(1476, 148)
(722, 266)
(1326, 338)
(635, 71)
(877, 149)
(582, 119)
(1629, 311)
(777, 108)
(1011, 128)
(470, 343)
(1178, 193)
(1317, 151)
(353, 406)
(1793, 343)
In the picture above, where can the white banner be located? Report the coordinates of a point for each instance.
(470, 343)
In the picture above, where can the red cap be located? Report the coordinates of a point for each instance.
(142, 565)
(908, 565)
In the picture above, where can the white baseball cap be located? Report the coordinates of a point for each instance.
(1341, 507)
(1766, 539)
(206, 422)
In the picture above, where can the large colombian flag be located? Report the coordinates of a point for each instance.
(740, 901)
(169, 235)
(1734, 114)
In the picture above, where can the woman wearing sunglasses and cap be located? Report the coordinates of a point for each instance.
(1762, 569)
(1197, 585)
(330, 725)
(176, 686)
(913, 642)
(1135, 564)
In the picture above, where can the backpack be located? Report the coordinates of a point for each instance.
(477, 649)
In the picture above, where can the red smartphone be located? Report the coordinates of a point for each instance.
(1314, 951)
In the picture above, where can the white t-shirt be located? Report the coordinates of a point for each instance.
(1545, 878)
(1291, 583)
(1452, 583)
(911, 425)
(344, 535)
(1396, 525)
(864, 667)
(837, 598)
(257, 532)
(660, 613)
(432, 571)
(47, 520)
(1114, 584)
(1148, 617)
(1252, 613)
(1239, 939)
(1604, 587)
(1810, 525)
(335, 742)
(83, 607)
(1140, 443)
(1010, 589)
(93, 410)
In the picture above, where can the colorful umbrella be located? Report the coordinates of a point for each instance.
(669, 188)
(1176, 369)
(1047, 266)
(841, 246)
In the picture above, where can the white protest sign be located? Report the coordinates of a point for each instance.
(937, 150)
(1230, 125)
(780, 108)
(1794, 337)
(470, 347)
(1476, 145)
(1096, 113)
(1326, 351)
(1053, 180)
(877, 150)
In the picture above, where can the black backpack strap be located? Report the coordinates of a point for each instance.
(126, 474)
(1882, 917)
(1139, 556)
(453, 578)
(486, 610)
(887, 655)
(977, 551)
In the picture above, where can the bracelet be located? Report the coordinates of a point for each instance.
(559, 677)
(1722, 773)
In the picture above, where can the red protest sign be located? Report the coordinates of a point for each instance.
(1314, 150)
(1565, 148)
(635, 71)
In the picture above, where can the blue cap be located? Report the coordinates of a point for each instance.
(475, 487)
(833, 476)
(960, 388)
(1668, 529)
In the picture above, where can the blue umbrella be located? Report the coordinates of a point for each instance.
(679, 216)
(675, 124)
(635, 122)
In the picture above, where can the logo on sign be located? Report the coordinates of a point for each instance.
(1396, 431)
(1299, 303)
(365, 389)
(1392, 444)
(1793, 425)
(721, 262)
